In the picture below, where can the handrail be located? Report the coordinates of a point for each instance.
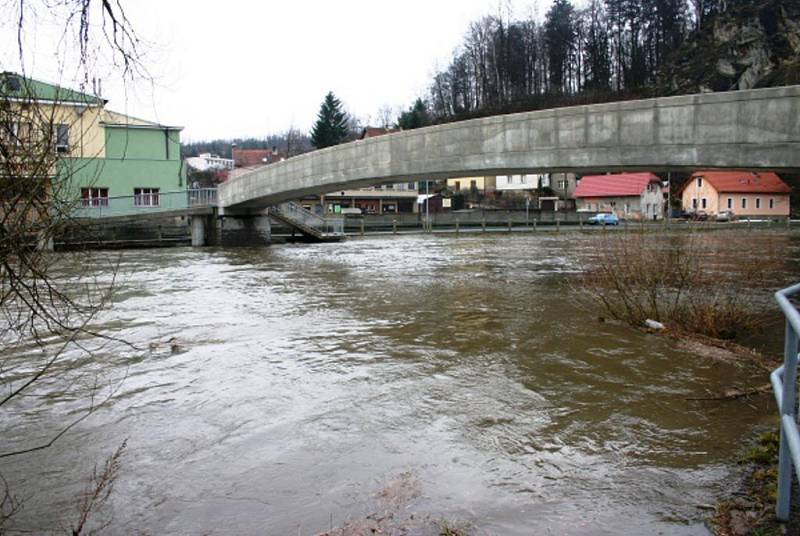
(784, 384)
(307, 221)
(145, 203)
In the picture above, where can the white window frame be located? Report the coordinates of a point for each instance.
(95, 197)
(147, 197)
(62, 138)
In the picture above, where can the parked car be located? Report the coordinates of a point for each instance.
(681, 214)
(604, 218)
(726, 215)
(700, 215)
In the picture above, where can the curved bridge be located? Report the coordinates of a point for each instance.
(737, 130)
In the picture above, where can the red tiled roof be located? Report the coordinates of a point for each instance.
(765, 182)
(617, 185)
(255, 157)
(371, 132)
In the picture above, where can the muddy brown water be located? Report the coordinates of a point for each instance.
(278, 390)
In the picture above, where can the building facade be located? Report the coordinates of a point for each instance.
(744, 193)
(627, 195)
(101, 153)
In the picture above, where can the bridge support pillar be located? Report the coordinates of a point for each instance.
(234, 230)
(198, 231)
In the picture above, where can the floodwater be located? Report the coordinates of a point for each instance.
(277, 390)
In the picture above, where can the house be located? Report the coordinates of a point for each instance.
(208, 162)
(371, 132)
(369, 201)
(628, 195)
(473, 185)
(248, 158)
(518, 183)
(101, 154)
(745, 193)
(563, 185)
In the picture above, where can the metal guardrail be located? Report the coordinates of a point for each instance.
(784, 384)
(295, 213)
(106, 207)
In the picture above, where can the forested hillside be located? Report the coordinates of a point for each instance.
(617, 49)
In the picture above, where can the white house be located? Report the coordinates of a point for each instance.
(628, 195)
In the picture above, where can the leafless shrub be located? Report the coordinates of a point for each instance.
(49, 302)
(97, 493)
(684, 280)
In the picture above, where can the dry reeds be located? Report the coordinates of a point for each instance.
(689, 282)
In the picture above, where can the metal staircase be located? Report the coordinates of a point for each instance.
(311, 225)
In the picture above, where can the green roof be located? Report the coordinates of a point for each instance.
(15, 86)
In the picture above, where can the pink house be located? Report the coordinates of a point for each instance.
(745, 193)
(628, 195)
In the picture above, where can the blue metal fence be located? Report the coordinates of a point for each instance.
(784, 383)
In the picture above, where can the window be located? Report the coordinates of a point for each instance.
(699, 182)
(758, 202)
(694, 202)
(730, 203)
(562, 185)
(62, 138)
(94, 197)
(473, 185)
(744, 202)
(145, 197)
(704, 203)
(412, 185)
(458, 185)
(771, 203)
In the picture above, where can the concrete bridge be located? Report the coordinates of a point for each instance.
(753, 129)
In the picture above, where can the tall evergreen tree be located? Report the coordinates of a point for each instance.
(414, 117)
(331, 126)
(560, 38)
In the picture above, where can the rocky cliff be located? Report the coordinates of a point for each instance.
(754, 44)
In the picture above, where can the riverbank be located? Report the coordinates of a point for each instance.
(175, 231)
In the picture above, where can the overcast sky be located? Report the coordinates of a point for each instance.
(245, 68)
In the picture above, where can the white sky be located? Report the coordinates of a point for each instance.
(250, 68)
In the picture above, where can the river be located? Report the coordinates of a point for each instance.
(278, 390)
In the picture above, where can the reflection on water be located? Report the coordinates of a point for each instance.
(308, 376)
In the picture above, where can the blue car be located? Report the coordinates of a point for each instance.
(603, 218)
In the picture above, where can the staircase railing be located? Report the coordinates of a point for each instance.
(307, 220)
(784, 384)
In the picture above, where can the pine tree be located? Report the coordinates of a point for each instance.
(414, 117)
(331, 126)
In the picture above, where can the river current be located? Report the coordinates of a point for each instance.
(279, 390)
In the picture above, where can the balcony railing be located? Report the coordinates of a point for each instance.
(129, 205)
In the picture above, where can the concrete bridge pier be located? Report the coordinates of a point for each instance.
(236, 229)
(198, 231)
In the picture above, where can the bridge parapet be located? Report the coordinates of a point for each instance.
(753, 129)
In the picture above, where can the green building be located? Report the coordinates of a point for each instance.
(106, 161)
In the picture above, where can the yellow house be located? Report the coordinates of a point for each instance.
(481, 185)
(745, 193)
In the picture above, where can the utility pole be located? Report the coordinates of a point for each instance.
(669, 195)
(428, 204)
